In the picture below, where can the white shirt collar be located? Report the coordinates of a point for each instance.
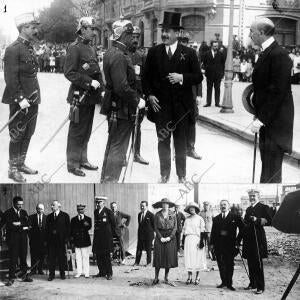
(267, 43)
(255, 204)
(173, 47)
(226, 214)
(57, 213)
(81, 215)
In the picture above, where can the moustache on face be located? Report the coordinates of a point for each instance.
(164, 37)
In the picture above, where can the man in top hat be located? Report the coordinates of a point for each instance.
(122, 221)
(272, 100)
(224, 241)
(37, 239)
(82, 69)
(197, 95)
(22, 91)
(138, 59)
(254, 240)
(214, 66)
(80, 238)
(121, 99)
(145, 233)
(58, 234)
(170, 72)
(103, 237)
(17, 226)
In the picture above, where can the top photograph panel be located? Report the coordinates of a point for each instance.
(149, 91)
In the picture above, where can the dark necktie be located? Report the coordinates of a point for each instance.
(223, 216)
(170, 53)
(142, 217)
(55, 216)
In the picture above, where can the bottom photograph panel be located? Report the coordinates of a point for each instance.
(154, 241)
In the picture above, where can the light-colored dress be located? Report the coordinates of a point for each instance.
(193, 256)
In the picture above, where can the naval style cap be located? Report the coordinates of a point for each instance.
(26, 18)
(85, 22)
(136, 30)
(253, 191)
(119, 27)
(100, 198)
(81, 206)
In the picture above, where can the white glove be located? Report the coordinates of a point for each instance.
(102, 94)
(142, 103)
(95, 84)
(198, 100)
(24, 103)
(256, 126)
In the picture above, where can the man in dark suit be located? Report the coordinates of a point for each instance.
(180, 222)
(224, 241)
(37, 239)
(58, 233)
(272, 100)
(80, 238)
(214, 66)
(82, 69)
(103, 237)
(22, 91)
(170, 72)
(254, 240)
(122, 221)
(121, 100)
(17, 225)
(145, 233)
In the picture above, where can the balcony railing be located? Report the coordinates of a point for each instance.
(191, 3)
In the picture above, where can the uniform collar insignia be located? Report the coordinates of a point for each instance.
(23, 41)
(120, 45)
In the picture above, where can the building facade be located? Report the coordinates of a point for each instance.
(203, 19)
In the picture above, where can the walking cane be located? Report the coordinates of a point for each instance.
(244, 263)
(63, 123)
(254, 157)
(132, 146)
(257, 247)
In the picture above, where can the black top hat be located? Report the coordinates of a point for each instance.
(171, 20)
(247, 98)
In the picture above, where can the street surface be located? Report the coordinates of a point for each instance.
(228, 157)
(278, 273)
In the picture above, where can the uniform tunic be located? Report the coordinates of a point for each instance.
(165, 254)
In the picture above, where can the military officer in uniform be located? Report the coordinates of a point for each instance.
(22, 91)
(17, 225)
(103, 237)
(121, 100)
(82, 69)
(138, 60)
(254, 240)
(80, 237)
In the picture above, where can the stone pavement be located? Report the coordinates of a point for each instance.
(239, 122)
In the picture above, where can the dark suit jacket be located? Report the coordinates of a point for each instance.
(180, 221)
(157, 67)
(16, 232)
(2, 221)
(80, 231)
(58, 230)
(20, 73)
(119, 220)
(103, 231)
(273, 100)
(214, 66)
(37, 235)
(224, 233)
(249, 241)
(146, 227)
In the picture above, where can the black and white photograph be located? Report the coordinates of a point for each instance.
(149, 149)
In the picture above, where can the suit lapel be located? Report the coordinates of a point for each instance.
(264, 55)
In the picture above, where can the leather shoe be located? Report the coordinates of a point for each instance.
(193, 154)
(217, 105)
(230, 287)
(155, 281)
(41, 272)
(50, 278)
(98, 275)
(181, 179)
(221, 285)
(16, 176)
(164, 179)
(27, 279)
(109, 277)
(10, 282)
(258, 292)
(26, 170)
(89, 166)
(249, 287)
(140, 160)
(206, 105)
(77, 172)
(62, 276)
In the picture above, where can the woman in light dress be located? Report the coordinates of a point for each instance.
(193, 243)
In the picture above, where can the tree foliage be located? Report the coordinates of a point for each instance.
(59, 21)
